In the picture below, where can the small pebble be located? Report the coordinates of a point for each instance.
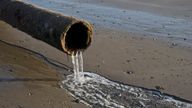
(151, 77)
(154, 38)
(76, 101)
(29, 93)
(128, 61)
(159, 88)
(129, 72)
(173, 44)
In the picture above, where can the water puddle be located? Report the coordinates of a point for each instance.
(99, 92)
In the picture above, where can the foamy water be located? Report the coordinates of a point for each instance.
(98, 91)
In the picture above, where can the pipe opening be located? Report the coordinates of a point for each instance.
(78, 37)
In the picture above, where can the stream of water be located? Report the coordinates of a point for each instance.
(77, 60)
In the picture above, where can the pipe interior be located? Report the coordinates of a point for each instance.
(77, 37)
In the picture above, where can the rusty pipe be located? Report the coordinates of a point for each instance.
(65, 33)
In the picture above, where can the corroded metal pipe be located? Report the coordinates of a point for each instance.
(65, 33)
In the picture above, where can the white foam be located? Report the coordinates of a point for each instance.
(98, 91)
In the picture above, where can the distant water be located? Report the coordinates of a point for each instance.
(128, 20)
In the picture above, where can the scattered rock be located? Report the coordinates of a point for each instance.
(174, 44)
(151, 77)
(154, 38)
(159, 88)
(128, 61)
(76, 101)
(129, 72)
(85, 75)
(29, 94)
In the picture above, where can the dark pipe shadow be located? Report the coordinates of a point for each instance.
(28, 79)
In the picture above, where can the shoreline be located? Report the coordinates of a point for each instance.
(127, 19)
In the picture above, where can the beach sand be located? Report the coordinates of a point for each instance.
(27, 80)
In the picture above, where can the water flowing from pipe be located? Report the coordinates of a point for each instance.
(77, 61)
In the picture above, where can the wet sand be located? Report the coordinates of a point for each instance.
(172, 8)
(131, 58)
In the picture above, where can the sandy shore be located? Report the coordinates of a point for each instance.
(26, 80)
(130, 59)
(142, 61)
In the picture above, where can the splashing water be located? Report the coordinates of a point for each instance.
(99, 92)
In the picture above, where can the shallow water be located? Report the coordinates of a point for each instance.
(128, 20)
(98, 91)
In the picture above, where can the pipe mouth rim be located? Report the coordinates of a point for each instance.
(71, 42)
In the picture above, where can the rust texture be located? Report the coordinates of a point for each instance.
(62, 32)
